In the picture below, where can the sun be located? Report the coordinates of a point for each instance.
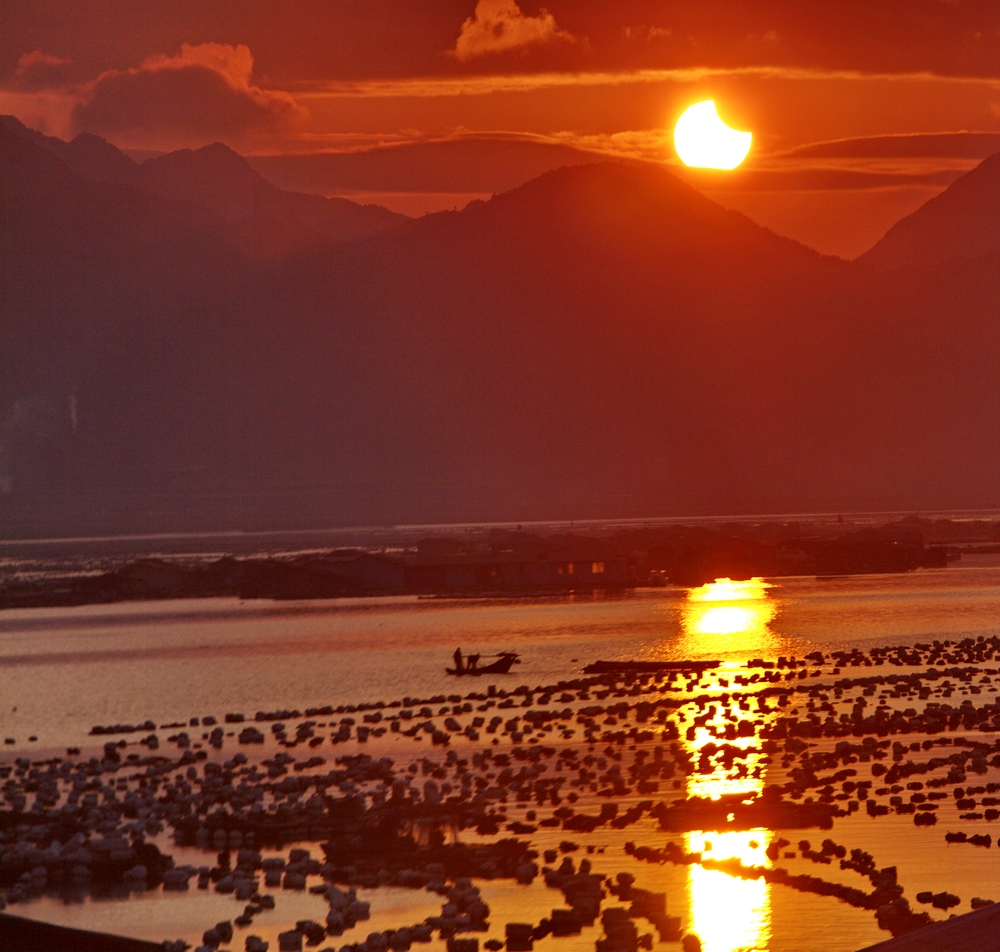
(704, 141)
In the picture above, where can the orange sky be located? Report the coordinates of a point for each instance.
(601, 79)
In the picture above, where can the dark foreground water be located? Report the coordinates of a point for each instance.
(64, 670)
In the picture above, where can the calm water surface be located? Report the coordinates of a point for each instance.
(64, 670)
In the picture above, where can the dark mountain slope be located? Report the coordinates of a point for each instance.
(103, 287)
(963, 221)
(679, 351)
(568, 345)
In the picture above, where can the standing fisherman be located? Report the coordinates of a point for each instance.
(458, 661)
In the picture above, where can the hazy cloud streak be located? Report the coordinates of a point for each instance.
(960, 144)
(431, 86)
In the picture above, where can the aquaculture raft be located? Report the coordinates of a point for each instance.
(615, 667)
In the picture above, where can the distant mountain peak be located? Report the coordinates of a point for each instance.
(213, 175)
(88, 156)
(219, 178)
(215, 152)
(626, 197)
(219, 148)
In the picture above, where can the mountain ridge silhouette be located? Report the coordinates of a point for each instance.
(962, 221)
(602, 341)
(216, 178)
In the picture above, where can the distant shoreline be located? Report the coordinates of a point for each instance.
(859, 517)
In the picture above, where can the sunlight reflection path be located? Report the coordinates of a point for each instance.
(728, 914)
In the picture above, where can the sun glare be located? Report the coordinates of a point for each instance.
(704, 141)
(726, 590)
(726, 615)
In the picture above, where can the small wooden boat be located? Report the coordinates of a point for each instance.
(505, 661)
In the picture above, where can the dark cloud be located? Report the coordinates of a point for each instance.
(317, 40)
(39, 70)
(203, 91)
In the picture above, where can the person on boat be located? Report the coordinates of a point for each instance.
(458, 661)
(472, 662)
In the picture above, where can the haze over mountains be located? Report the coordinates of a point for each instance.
(216, 178)
(469, 164)
(188, 347)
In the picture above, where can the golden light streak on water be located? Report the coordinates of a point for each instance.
(729, 616)
(726, 590)
(727, 913)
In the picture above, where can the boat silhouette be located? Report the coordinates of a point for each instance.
(505, 661)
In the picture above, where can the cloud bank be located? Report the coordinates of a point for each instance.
(39, 70)
(205, 90)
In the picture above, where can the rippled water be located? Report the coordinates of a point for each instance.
(64, 670)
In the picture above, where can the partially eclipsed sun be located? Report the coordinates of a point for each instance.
(704, 141)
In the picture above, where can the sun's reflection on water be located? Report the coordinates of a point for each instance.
(727, 913)
(729, 616)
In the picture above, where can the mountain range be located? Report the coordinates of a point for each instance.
(218, 179)
(188, 347)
